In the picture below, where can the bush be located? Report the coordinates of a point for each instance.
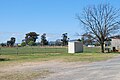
(19, 45)
(23, 44)
(3, 44)
(31, 43)
(4, 59)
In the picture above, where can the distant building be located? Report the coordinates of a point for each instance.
(113, 43)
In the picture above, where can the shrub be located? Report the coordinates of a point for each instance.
(31, 43)
(23, 44)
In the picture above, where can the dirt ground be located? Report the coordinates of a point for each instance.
(36, 70)
(59, 70)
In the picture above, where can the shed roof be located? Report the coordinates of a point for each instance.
(115, 37)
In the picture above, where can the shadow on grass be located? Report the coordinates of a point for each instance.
(4, 59)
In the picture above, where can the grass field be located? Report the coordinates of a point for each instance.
(50, 53)
(14, 57)
(31, 50)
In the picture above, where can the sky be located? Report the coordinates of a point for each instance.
(53, 17)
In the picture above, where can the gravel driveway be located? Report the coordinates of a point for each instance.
(104, 70)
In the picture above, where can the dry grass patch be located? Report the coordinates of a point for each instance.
(88, 57)
(24, 75)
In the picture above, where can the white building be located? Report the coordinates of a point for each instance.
(115, 44)
(75, 47)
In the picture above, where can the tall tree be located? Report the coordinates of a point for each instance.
(11, 42)
(44, 40)
(64, 39)
(101, 21)
(31, 36)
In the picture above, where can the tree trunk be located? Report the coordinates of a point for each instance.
(102, 47)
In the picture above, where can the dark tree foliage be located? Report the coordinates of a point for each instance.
(44, 40)
(64, 39)
(58, 42)
(23, 44)
(11, 42)
(3, 44)
(79, 40)
(31, 36)
(101, 21)
(32, 43)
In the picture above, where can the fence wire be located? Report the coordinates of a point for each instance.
(33, 50)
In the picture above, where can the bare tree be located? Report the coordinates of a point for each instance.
(101, 21)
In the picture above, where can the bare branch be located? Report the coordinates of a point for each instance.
(101, 21)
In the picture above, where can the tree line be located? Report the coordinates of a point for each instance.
(100, 21)
(31, 37)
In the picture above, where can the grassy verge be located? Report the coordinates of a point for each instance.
(88, 57)
(29, 75)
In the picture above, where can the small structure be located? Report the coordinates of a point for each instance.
(115, 43)
(75, 47)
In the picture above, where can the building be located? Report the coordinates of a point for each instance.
(115, 43)
(75, 47)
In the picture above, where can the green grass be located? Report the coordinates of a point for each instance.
(32, 50)
(60, 56)
(9, 57)
(92, 50)
(25, 54)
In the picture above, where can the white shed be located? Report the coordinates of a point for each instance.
(75, 47)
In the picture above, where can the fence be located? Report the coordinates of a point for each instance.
(33, 50)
